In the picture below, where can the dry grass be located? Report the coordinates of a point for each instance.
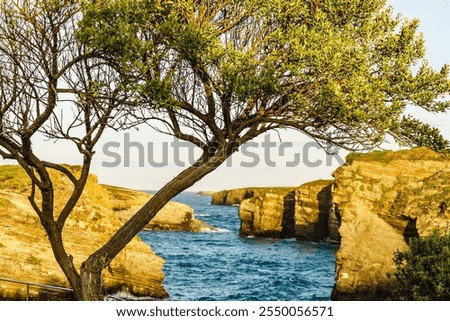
(14, 178)
(415, 154)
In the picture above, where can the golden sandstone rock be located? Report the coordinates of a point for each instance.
(174, 216)
(25, 252)
(383, 199)
(302, 212)
(376, 203)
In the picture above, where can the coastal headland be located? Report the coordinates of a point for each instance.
(374, 205)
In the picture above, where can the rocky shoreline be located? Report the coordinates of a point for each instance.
(375, 203)
(373, 206)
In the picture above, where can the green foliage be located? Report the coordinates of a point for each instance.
(375, 156)
(423, 270)
(411, 131)
(339, 71)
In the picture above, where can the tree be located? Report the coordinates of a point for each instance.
(50, 87)
(220, 73)
(423, 270)
(412, 132)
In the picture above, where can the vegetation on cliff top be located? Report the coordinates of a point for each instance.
(265, 189)
(14, 178)
(319, 182)
(270, 189)
(386, 156)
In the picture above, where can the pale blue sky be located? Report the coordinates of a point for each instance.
(435, 25)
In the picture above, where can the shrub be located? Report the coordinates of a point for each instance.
(423, 270)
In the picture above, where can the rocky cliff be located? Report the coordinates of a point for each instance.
(383, 199)
(268, 215)
(173, 216)
(377, 202)
(301, 212)
(314, 219)
(26, 255)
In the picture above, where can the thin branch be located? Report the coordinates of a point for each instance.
(32, 200)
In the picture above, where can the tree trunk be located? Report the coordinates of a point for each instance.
(92, 267)
(91, 282)
(65, 261)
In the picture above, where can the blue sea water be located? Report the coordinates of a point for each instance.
(223, 266)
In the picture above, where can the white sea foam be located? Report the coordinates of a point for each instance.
(216, 230)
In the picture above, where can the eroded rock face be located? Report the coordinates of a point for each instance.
(312, 212)
(270, 215)
(25, 253)
(302, 212)
(383, 199)
(376, 204)
(174, 216)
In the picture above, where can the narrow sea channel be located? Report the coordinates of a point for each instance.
(223, 266)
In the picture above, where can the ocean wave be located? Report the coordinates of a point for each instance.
(202, 215)
(216, 230)
(218, 264)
